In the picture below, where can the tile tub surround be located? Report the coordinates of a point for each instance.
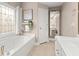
(17, 45)
(70, 45)
(3, 35)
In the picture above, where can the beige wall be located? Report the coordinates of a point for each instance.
(69, 23)
(34, 6)
(42, 6)
(14, 4)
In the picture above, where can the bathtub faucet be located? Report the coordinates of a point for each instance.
(2, 50)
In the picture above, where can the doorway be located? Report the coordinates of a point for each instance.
(54, 23)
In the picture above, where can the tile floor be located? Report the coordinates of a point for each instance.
(45, 49)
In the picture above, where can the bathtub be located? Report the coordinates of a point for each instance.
(18, 45)
(66, 46)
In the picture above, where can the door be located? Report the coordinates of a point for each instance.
(54, 23)
(43, 25)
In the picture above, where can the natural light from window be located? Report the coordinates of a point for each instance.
(7, 19)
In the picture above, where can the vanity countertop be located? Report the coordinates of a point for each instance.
(70, 45)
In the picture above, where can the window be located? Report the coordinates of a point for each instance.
(7, 19)
(28, 26)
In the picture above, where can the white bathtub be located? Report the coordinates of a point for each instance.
(18, 45)
(66, 46)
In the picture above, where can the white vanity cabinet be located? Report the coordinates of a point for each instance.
(58, 49)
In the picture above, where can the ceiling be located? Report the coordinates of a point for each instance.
(52, 4)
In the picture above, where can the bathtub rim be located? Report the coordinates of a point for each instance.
(10, 53)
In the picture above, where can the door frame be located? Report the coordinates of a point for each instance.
(49, 21)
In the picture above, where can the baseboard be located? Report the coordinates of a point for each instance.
(37, 43)
(51, 39)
